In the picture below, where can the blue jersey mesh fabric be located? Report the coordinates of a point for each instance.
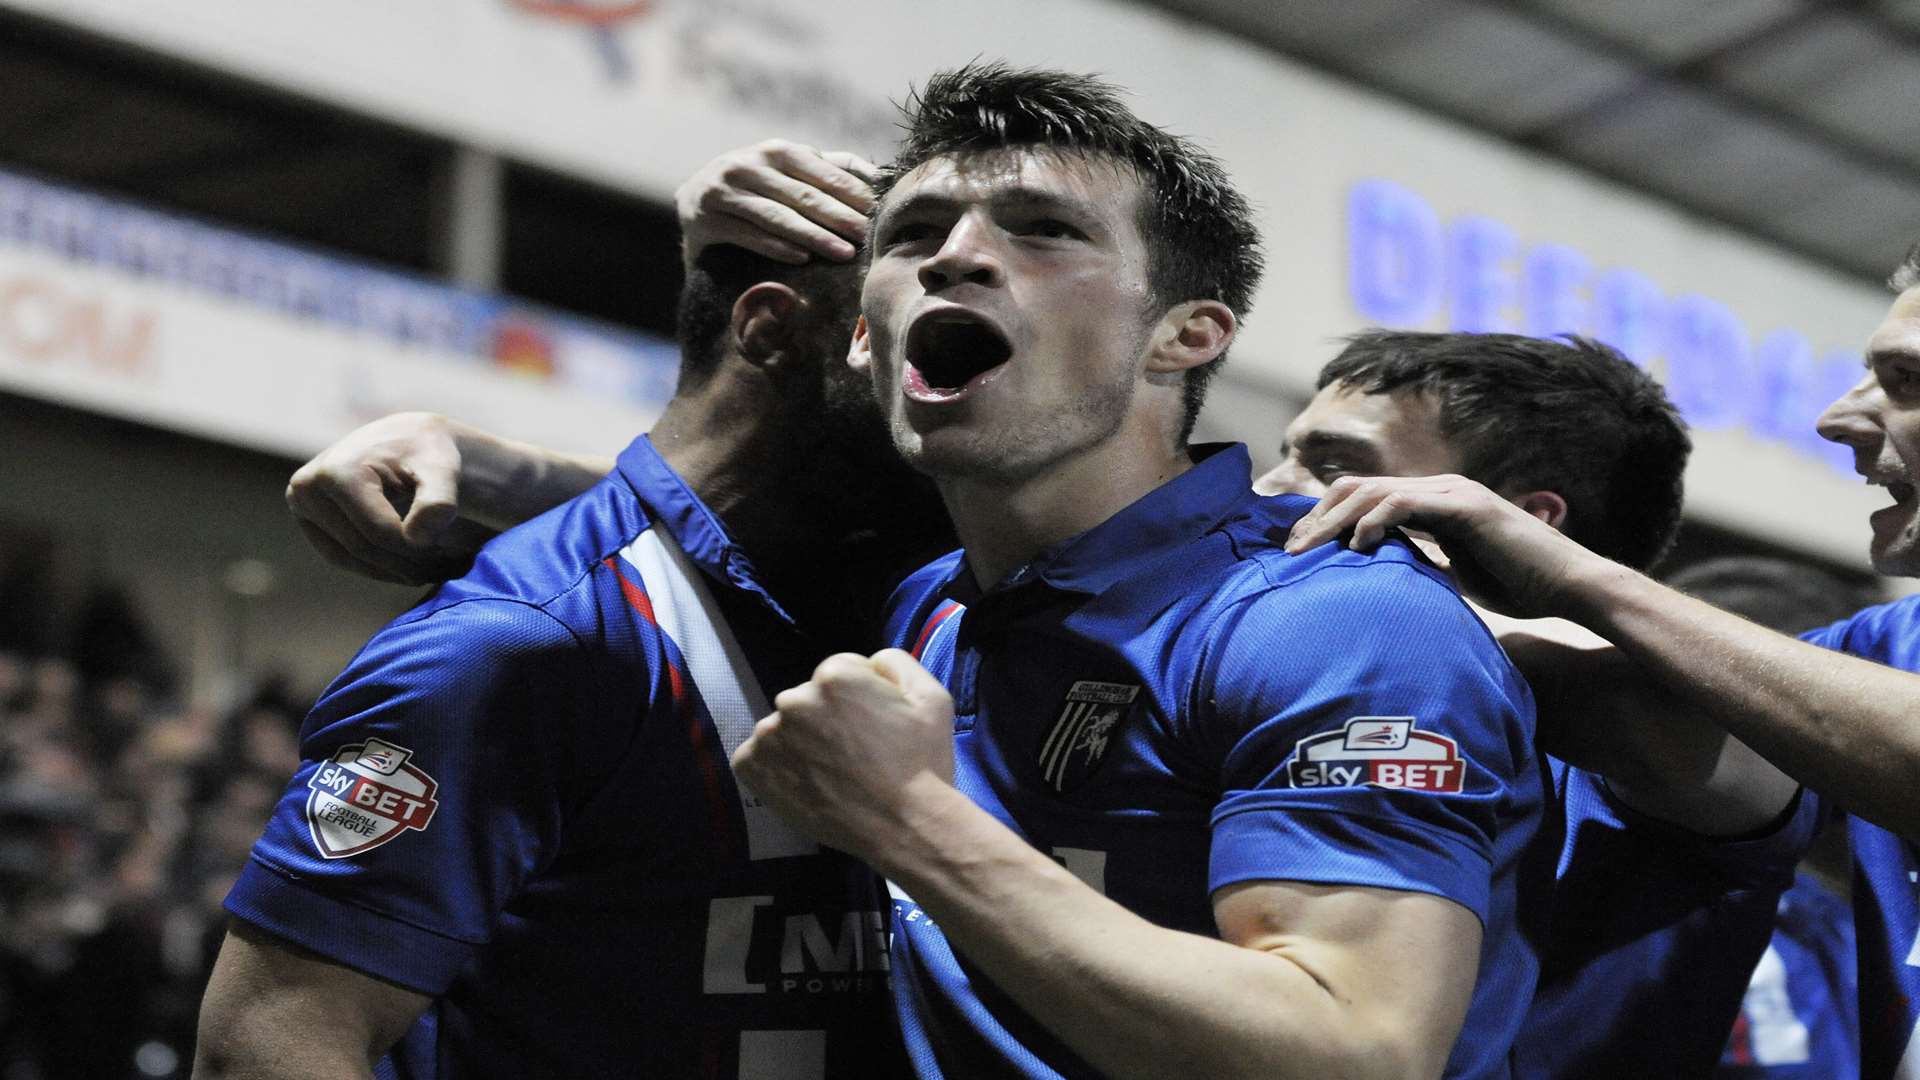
(1169, 703)
(1799, 1019)
(1651, 935)
(1886, 900)
(516, 799)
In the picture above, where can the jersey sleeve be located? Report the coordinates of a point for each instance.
(1832, 636)
(433, 775)
(1368, 731)
(1885, 633)
(1762, 860)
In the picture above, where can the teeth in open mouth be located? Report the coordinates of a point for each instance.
(950, 352)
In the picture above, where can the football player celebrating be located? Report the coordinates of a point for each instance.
(1674, 843)
(1168, 801)
(1838, 718)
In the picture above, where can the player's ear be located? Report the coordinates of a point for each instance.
(1189, 335)
(765, 324)
(860, 352)
(1548, 506)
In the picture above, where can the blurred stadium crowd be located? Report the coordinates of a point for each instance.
(124, 817)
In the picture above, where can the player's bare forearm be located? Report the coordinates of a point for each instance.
(1846, 727)
(274, 1012)
(1660, 753)
(1304, 981)
(505, 482)
(1139, 1000)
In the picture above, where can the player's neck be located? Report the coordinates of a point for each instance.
(739, 457)
(1004, 523)
(763, 466)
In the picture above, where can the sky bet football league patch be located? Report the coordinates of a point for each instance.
(1384, 751)
(366, 795)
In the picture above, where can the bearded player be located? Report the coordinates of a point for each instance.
(514, 846)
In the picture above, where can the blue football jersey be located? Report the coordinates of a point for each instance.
(1886, 898)
(1652, 934)
(1169, 704)
(517, 799)
(1799, 1019)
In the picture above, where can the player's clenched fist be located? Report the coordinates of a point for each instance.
(847, 755)
(382, 501)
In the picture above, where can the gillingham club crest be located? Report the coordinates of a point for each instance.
(1380, 751)
(1078, 740)
(366, 795)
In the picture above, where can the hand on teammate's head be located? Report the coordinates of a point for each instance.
(779, 199)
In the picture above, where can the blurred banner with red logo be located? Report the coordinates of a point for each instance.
(156, 318)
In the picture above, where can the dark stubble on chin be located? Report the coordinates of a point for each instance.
(1023, 450)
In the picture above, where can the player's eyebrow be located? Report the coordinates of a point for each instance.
(1320, 440)
(1884, 354)
(1018, 197)
(1031, 198)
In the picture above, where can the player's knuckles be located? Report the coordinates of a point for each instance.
(767, 730)
(816, 202)
(787, 154)
(795, 700)
(739, 174)
(746, 759)
(302, 476)
(934, 712)
(840, 671)
(309, 486)
(718, 199)
(1369, 489)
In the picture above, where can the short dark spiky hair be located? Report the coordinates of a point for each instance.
(1570, 416)
(1201, 240)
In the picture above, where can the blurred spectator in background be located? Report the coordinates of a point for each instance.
(123, 820)
(1798, 1018)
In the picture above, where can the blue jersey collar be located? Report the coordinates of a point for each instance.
(1175, 513)
(672, 504)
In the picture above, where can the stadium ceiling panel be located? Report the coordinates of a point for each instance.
(1792, 120)
(122, 122)
(1672, 33)
(1839, 74)
(1795, 121)
(1904, 13)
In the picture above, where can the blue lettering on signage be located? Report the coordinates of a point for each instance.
(1394, 237)
(1478, 250)
(1555, 275)
(1709, 365)
(1404, 266)
(1628, 310)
